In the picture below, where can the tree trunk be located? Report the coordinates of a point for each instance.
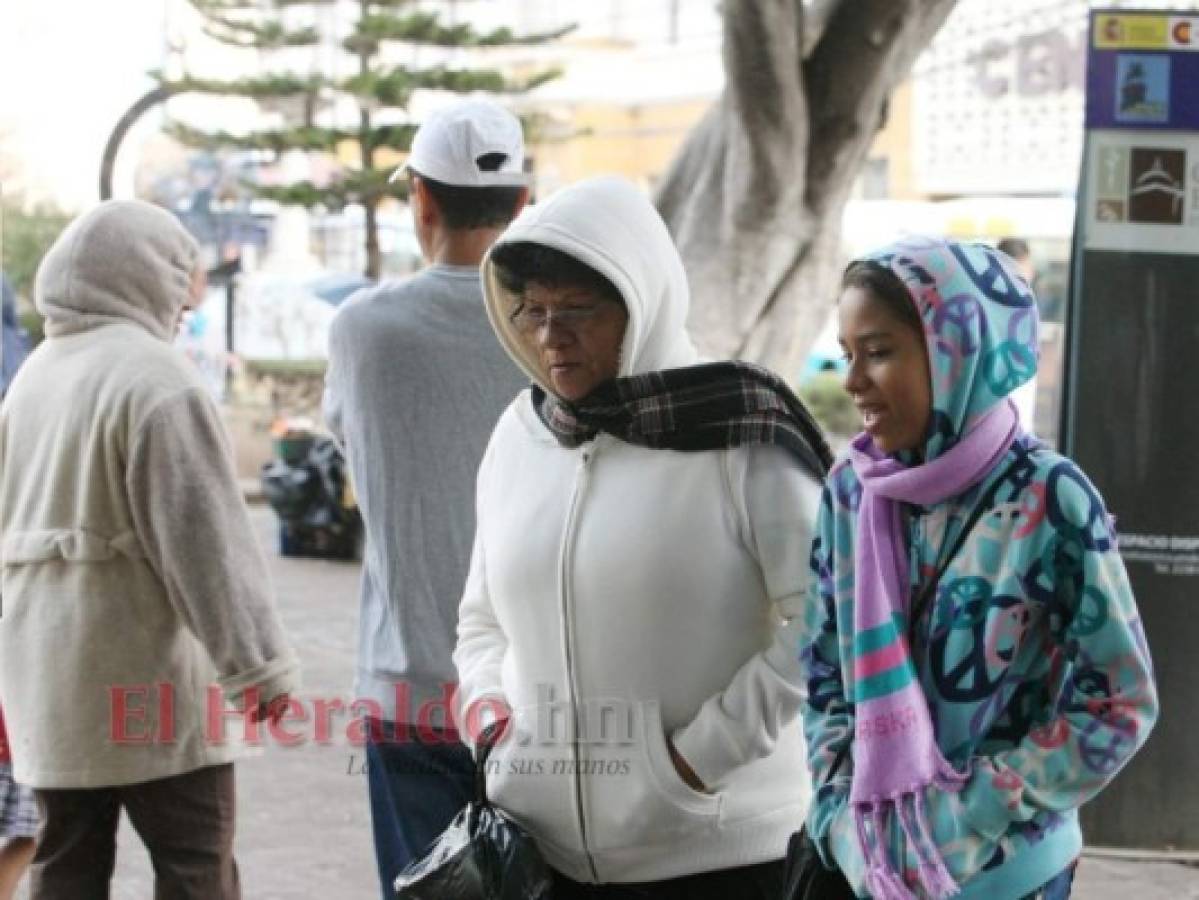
(370, 199)
(756, 195)
(374, 257)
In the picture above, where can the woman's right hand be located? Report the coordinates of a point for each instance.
(684, 769)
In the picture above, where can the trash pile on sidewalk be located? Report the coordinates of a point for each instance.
(307, 485)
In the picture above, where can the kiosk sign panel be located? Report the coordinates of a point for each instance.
(1131, 411)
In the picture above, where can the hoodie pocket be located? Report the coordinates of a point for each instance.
(661, 767)
(638, 798)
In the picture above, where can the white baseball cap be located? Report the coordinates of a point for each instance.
(449, 144)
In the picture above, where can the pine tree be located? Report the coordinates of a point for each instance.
(376, 85)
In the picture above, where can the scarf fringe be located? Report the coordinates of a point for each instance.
(884, 884)
(883, 881)
(937, 881)
(934, 876)
(946, 777)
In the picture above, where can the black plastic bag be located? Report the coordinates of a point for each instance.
(807, 878)
(483, 855)
(290, 490)
(805, 875)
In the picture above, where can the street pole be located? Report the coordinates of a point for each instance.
(226, 273)
(108, 160)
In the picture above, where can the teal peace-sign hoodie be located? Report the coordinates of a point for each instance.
(1031, 654)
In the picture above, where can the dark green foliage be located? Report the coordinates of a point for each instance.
(258, 25)
(262, 87)
(265, 36)
(28, 234)
(304, 137)
(347, 189)
(830, 404)
(426, 28)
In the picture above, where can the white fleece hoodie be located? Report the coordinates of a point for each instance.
(130, 577)
(619, 594)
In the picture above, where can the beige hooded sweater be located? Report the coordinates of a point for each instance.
(131, 577)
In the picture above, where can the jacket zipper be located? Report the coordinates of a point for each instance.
(568, 644)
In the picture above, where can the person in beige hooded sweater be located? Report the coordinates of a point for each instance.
(131, 577)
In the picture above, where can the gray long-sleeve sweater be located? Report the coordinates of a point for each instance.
(416, 382)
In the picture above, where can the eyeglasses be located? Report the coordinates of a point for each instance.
(529, 318)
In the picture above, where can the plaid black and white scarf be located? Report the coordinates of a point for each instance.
(692, 409)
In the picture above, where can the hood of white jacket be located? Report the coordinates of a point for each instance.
(121, 262)
(611, 226)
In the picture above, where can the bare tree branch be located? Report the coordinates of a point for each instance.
(695, 172)
(762, 40)
(739, 169)
(754, 198)
(817, 14)
(868, 47)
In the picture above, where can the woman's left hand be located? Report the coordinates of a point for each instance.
(684, 769)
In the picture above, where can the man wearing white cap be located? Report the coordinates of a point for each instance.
(415, 384)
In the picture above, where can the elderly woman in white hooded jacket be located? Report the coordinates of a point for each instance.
(643, 525)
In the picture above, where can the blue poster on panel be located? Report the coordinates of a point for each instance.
(1143, 71)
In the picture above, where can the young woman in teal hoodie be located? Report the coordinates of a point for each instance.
(972, 641)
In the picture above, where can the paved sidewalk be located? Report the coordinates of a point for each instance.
(1108, 879)
(304, 827)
